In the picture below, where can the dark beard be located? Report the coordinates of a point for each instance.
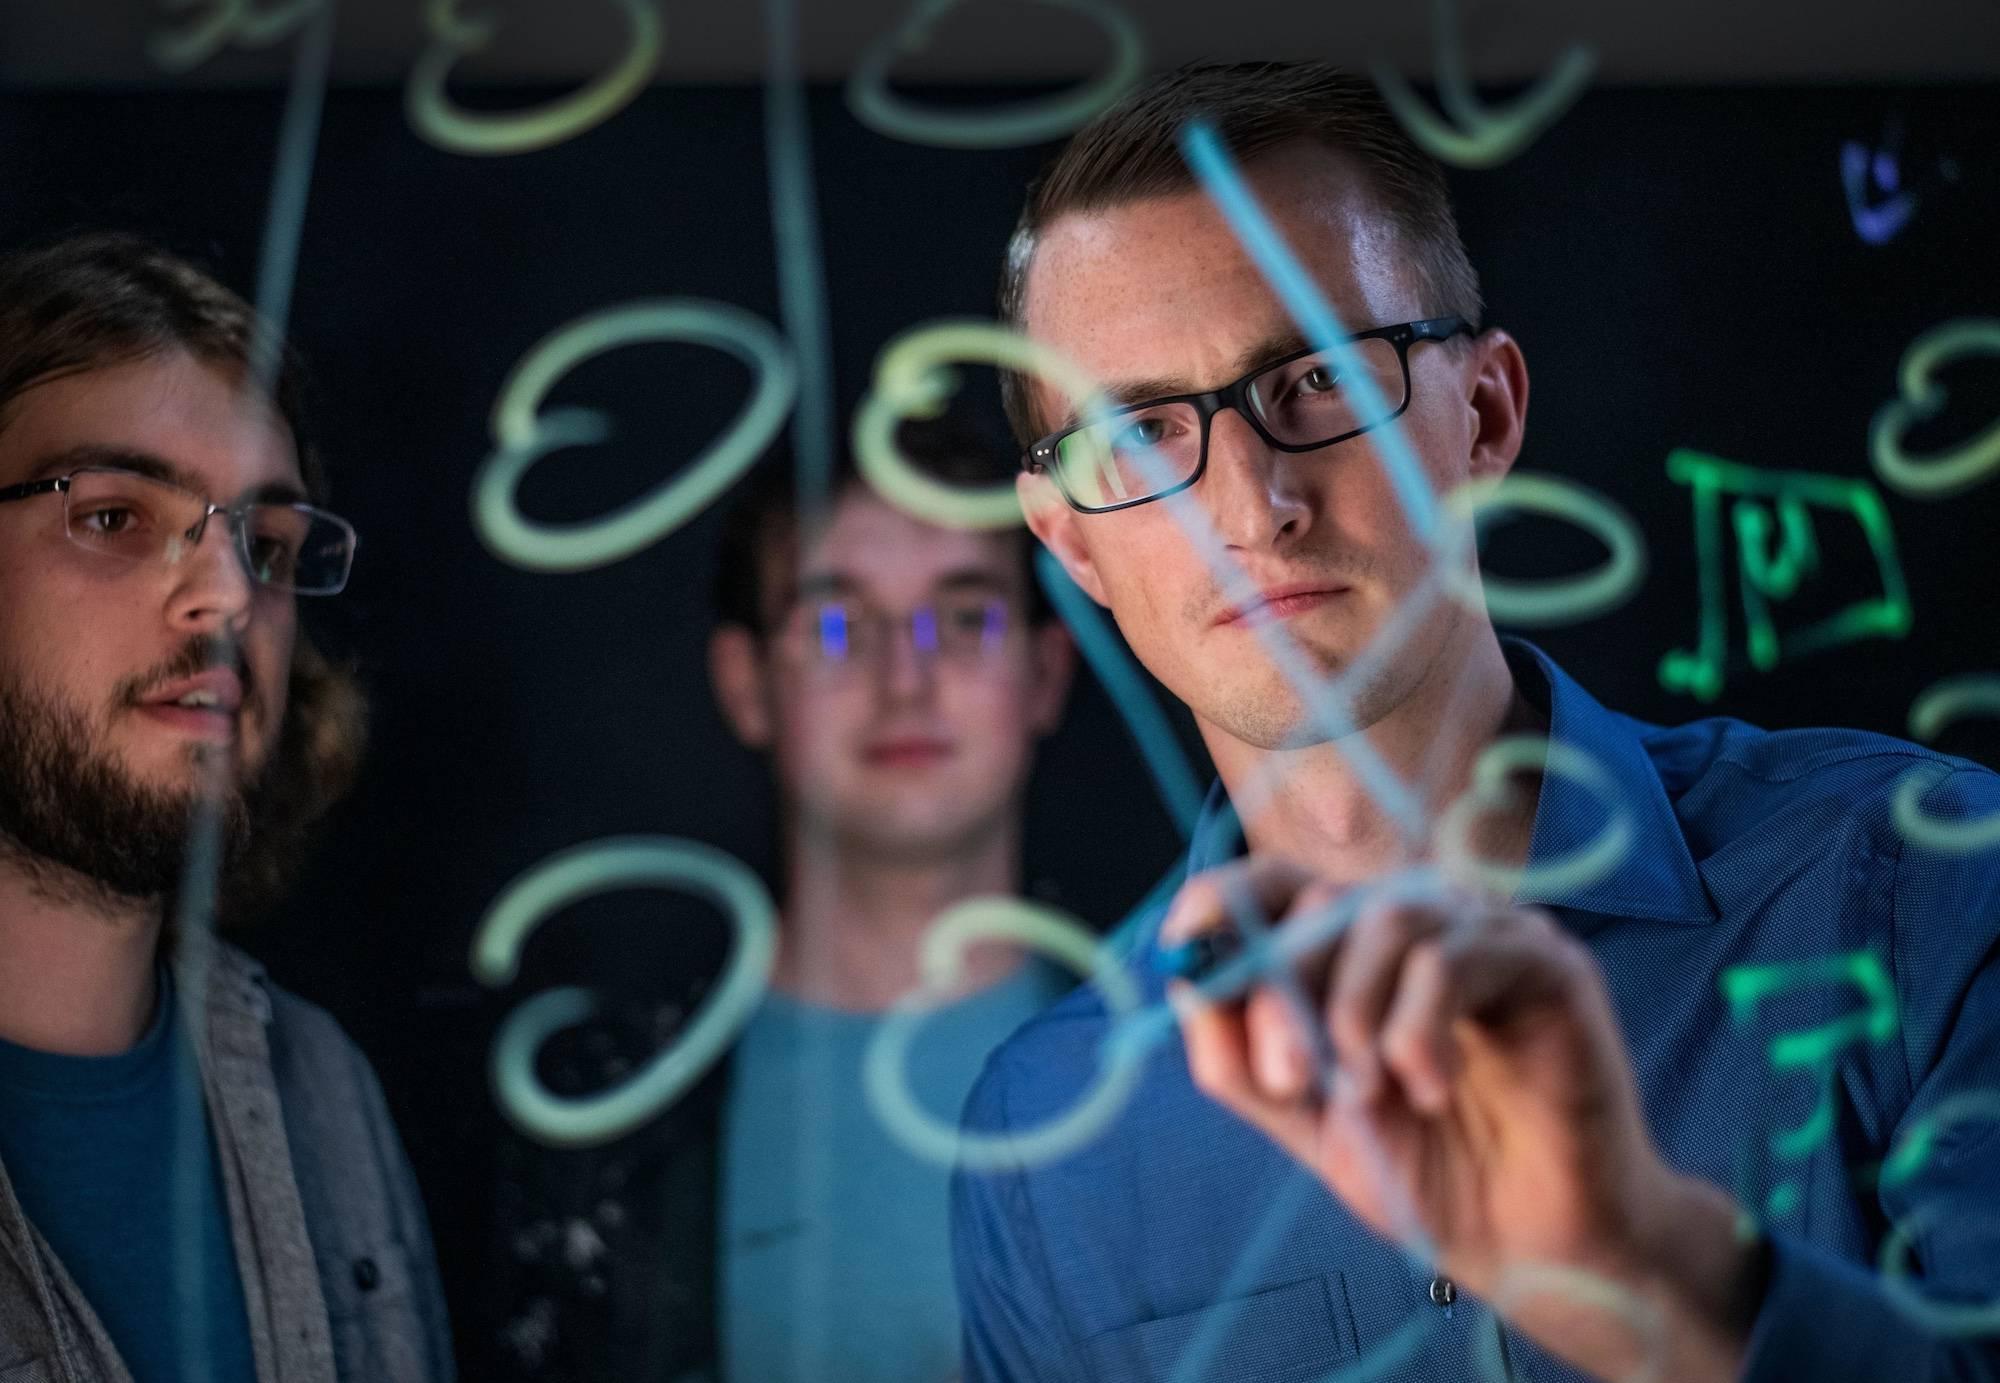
(79, 823)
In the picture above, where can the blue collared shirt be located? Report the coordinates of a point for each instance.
(1178, 1244)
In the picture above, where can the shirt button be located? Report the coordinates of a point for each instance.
(1443, 1291)
(366, 1275)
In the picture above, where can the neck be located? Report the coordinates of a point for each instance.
(852, 927)
(76, 964)
(1310, 805)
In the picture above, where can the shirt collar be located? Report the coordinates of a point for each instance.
(1654, 877)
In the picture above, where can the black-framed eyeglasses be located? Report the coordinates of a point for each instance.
(126, 516)
(1145, 451)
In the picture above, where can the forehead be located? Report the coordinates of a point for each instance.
(194, 416)
(883, 551)
(1162, 288)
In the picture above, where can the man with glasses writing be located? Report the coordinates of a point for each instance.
(1659, 1110)
(198, 1177)
(896, 676)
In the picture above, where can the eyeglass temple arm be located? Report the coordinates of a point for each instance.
(31, 488)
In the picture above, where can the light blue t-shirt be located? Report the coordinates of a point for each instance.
(835, 1238)
(89, 1143)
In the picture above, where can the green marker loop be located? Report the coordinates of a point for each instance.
(1025, 122)
(912, 380)
(1040, 929)
(1566, 600)
(524, 436)
(438, 119)
(239, 22)
(607, 866)
(1944, 1318)
(1552, 880)
(1936, 707)
(1484, 137)
(1920, 397)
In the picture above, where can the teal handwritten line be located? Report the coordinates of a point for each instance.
(284, 225)
(1219, 177)
(801, 267)
(1024, 122)
(1225, 186)
(195, 902)
(1173, 778)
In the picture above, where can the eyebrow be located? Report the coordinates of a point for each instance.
(957, 581)
(154, 468)
(1128, 392)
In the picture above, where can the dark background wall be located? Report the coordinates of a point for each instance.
(1680, 266)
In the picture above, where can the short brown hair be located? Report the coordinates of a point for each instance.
(104, 298)
(1132, 151)
(765, 513)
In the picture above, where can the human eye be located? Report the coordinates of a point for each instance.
(107, 520)
(1142, 430)
(272, 559)
(1320, 379)
(116, 510)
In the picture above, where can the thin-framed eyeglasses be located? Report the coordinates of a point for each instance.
(843, 634)
(1140, 452)
(125, 516)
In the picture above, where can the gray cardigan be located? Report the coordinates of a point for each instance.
(338, 1271)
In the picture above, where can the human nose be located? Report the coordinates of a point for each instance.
(212, 587)
(1255, 494)
(908, 664)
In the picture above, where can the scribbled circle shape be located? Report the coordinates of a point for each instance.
(437, 119)
(1025, 122)
(912, 380)
(606, 866)
(1484, 137)
(1040, 929)
(524, 436)
(1549, 881)
(1564, 600)
(1913, 1149)
(1518, 1280)
(1943, 1318)
(1936, 707)
(1920, 398)
(236, 21)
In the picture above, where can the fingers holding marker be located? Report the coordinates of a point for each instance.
(1417, 1044)
(1273, 887)
(1363, 985)
(1216, 1038)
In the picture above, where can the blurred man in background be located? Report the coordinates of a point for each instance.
(897, 676)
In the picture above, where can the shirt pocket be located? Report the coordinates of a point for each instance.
(31, 1371)
(378, 1332)
(1287, 1334)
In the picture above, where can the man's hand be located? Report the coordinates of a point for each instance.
(1484, 1089)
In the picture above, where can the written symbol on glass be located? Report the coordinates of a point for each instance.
(1880, 197)
(1771, 515)
(217, 24)
(1815, 1051)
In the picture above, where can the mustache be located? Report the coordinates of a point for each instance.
(202, 653)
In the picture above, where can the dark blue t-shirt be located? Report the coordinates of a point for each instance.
(92, 1145)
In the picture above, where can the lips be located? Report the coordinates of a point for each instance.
(1282, 602)
(906, 751)
(205, 706)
